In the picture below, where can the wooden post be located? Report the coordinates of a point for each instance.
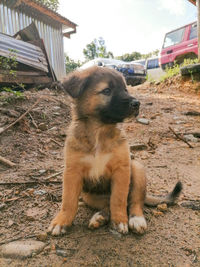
(198, 27)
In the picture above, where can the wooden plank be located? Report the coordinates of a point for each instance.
(25, 79)
(25, 73)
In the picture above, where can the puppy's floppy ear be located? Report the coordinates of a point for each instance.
(75, 84)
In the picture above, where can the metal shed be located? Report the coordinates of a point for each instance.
(18, 14)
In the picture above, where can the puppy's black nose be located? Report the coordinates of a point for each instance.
(134, 103)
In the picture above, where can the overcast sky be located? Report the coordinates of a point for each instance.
(125, 25)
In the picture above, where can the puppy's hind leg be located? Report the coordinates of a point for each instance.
(137, 222)
(100, 218)
(100, 202)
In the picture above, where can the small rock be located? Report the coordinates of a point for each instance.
(56, 107)
(42, 126)
(42, 171)
(21, 249)
(191, 138)
(10, 223)
(42, 237)
(157, 213)
(61, 252)
(138, 147)
(180, 122)
(40, 192)
(162, 207)
(143, 121)
(53, 128)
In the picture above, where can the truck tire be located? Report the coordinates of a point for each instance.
(190, 69)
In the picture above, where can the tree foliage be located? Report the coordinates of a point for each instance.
(130, 57)
(151, 54)
(96, 48)
(137, 55)
(71, 64)
(52, 4)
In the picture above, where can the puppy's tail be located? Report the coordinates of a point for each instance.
(168, 199)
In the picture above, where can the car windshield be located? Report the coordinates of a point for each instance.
(173, 38)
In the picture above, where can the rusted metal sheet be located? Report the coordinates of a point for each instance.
(24, 52)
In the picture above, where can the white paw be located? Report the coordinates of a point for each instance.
(97, 220)
(138, 224)
(121, 227)
(56, 230)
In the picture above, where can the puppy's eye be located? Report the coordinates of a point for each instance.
(106, 91)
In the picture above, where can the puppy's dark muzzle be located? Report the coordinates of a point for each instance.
(134, 104)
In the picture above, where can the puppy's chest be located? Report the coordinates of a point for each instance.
(96, 163)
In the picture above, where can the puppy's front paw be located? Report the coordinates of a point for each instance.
(137, 224)
(58, 225)
(120, 227)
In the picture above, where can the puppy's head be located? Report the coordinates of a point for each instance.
(101, 93)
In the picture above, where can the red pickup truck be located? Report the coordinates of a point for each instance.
(179, 44)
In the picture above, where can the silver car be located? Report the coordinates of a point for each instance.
(134, 73)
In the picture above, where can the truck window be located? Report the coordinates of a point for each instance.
(174, 37)
(193, 32)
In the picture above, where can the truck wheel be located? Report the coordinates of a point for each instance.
(190, 69)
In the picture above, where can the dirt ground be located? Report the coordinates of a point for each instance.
(30, 192)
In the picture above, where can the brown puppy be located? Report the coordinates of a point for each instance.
(97, 158)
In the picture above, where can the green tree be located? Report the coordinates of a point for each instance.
(151, 54)
(71, 64)
(52, 4)
(96, 48)
(130, 57)
(137, 55)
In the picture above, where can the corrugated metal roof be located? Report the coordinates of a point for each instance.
(25, 53)
(31, 6)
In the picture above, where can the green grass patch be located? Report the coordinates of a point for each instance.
(175, 70)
